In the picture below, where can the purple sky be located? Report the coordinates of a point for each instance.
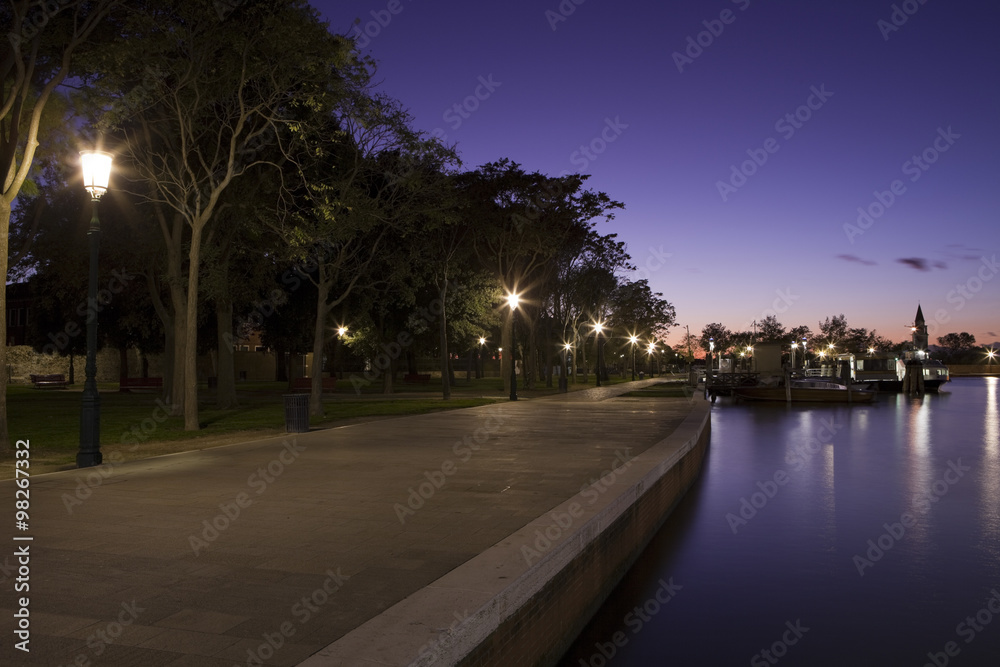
(664, 134)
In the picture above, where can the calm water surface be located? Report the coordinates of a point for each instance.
(873, 539)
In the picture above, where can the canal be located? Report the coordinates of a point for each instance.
(824, 535)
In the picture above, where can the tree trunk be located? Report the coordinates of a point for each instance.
(191, 334)
(225, 398)
(280, 366)
(179, 301)
(316, 367)
(4, 242)
(72, 370)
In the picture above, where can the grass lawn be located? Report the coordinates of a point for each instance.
(134, 426)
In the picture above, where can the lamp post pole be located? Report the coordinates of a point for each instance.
(96, 172)
(633, 339)
(600, 365)
(512, 300)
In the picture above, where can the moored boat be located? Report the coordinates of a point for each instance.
(807, 391)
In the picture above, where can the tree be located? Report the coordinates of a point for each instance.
(40, 53)
(833, 330)
(720, 335)
(771, 330)
(196, 118)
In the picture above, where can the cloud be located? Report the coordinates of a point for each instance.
(991, 334)
(855, 258)
(922, 264)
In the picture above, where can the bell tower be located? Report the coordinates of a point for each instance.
(919, 330)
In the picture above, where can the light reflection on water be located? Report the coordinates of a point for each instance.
(850, 475)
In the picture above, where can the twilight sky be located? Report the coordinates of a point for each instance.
(742, 137)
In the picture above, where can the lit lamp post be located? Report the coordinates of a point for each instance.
(480, 371)
(795, 346)
(512, 300)
(598, 328)
(564, 378)
(633, 339)
(649, 351)
(96, 173)
(989, 360)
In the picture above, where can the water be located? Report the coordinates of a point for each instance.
(795, 575)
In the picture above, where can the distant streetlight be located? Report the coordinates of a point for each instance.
(564, 378)
(341, 331)
(633, 339)
(990, 353)
(598, 328)
(649, 352)
(96, 166)
(512, 301)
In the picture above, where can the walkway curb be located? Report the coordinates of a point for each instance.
(510, 587)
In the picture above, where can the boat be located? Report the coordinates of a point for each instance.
(807, 391)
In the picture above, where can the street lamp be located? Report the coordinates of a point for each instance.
(633, 339)
(598, 328)
(990, 353)
(649, 352)
(512, 301)
(96, 166)
(564, 378)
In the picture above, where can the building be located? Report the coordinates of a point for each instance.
(18, 311)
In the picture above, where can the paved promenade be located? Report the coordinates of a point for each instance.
(263, 553)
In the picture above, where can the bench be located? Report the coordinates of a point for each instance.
(56, 381)
(140, 384)
(417, 378)
(306, 383)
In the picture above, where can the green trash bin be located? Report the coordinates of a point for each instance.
(296, 413)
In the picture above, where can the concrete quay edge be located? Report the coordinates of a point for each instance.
(434, 625)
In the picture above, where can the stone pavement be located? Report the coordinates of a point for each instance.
(263, 553)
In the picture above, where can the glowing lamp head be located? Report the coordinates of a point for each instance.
(567, 346)
(633, 339)
(96, 167)
(598, 327)
(342, 331)
(482, 341)
(513, 300)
